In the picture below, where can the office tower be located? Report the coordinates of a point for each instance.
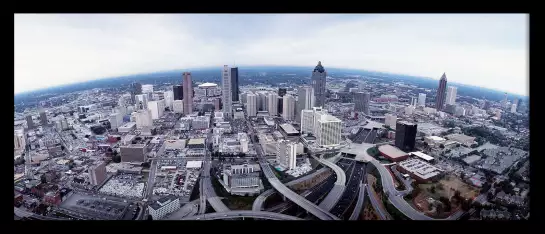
(116, 120)
(405, 135)
(307, 121)
(141, 101)
(305, 100)
(327, 129)
(178, 106)
(286, 154)
(234, 84)
(319, 84)
(43, 118)
(421, 99)
(188, 93)
(133, 153)
(516, 101)
(243, 98)
(29, 122)
(282, 92)
(262, 102)
(451, 95)
(226, 90)
(280, 106)
(217, 104)
(147, 88)
(136, 88)
(288, 107)
(441, 93)
(143, 118)
(19, 139)
(514, 108)
(390, 120)
(169, 98)
(97, 173)
(178, 91)
(251, 104)
(361, 101)
(272, 99)
(157, 108)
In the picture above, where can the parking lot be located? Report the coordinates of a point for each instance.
(95, 207)
(174, 178)
(125, 185)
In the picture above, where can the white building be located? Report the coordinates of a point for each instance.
(141, 98)
(164, 206)
(421, 99)
(409, 110)
(514, 108)
(288, 107)
(157, 108)
(226, 90)
(305, 100)
(116, 120)
(200, 122)
(178, 106)
(272, 104)
(451, 95)
(19, 139)
(327, 129)
(307, 121)
(143, 119)
(390, 120)
(286, 154)
(169, 98)
(147, 88)
(251, 104)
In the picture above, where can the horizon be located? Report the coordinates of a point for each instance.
(54, 50)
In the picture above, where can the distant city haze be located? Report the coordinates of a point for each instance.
(483, 50)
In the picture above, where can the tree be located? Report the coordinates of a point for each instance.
(441, 146)
(116, 158)
(43, 179)
(432, 189)
(62, 147)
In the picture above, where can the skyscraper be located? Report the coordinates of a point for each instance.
(234, 84)
(178, 92)
(226, 91)
(319, 84)
(136, 88)
(441, 91)
(405, 136)
(29, 122)
(307, 121)
(141, 101)
(305, 100)
(327, 129)
(361, 101)
(169, 99)
(421, 99)
(157, 108)
(43, 117)
(272, 99)
(288, 107)
(286, 153)
(188, 93)
(19, 139)
(251, 104)
(451, 95)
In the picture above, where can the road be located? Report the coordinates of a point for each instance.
(359, 205)
(242, 214)
(209, 194)
(188, 210)
(338, 189)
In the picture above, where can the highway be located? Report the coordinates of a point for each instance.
(377, 205)
(189, 209)
(209, 192)
(242, 214)
(359, 205)
(338, 189)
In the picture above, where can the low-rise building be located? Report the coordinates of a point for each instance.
(419, 170)
(164, 206)
(462, 139)
(392, 153)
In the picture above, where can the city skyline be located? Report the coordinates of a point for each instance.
(88, 47)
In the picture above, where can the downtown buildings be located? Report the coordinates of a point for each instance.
(226, 89)
(288, 107)
(405, 135)
(187, 93)
(319, 84)
(325, 127)
(361, 102)
(451, 95)
(305, 100)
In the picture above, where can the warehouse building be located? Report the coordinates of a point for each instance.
(419, 170)
(392, 153)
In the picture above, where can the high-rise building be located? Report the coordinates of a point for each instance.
(136, 88)
(280, 106)
(178, 106)
(147, 88)
(29, 122)
(157, 108)
(251, 104)
(390, 120)
(178, 91)
(305, 100)
(514, 108)
(141, 101)
(307, 121)
(272, 100)
(361, 101)
(169, 98)
(97, 173)
(116, 120)
(327, 129)
(234, 84)
(217, 104)
(319, 84)
(226, 90)
(19, 139)
(43, 118)
(286, 154)
(421, 99)
(262, 102)
(188, 93)
(451, 95)
(288, 104)
(143, 118)
(405, 135)
(282, 92)
(441, 93)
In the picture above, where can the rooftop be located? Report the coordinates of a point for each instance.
(391, 151)
(196, 141)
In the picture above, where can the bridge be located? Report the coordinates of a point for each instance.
(242, 214)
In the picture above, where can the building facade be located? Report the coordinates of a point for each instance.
(441, 93)
(272, 104)
(187, 93)
(234, 84)
(451, 95)
(421, 99)
(319, 84)
(178, 91)
(361, 102)
(405, 136)
(305, 100)
(327, 129)
(164, 206)
(157, 108)
(178, 106)
(133, 153)
(97, 173)
(226, 90)
(251, 104)
(136, 88)
(288, 107)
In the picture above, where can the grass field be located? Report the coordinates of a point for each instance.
(446, 187)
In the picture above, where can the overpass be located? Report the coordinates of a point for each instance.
(359, 205)
(338, 189)
(242, 214)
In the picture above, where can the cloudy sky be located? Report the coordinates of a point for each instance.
(483, 50)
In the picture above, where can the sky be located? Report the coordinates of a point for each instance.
(486, 50)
